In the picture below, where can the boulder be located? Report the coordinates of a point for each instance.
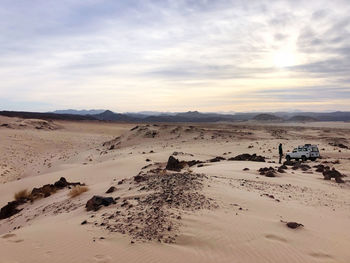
(174, 164)
(96, 202)
(10, 209)
(61, 183)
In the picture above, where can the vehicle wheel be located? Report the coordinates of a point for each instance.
(297, 159)
(303, 158)
(288, 158)
(313, 159)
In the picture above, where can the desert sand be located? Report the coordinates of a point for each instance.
(209, 210)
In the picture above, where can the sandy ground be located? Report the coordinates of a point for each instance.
(212, 212)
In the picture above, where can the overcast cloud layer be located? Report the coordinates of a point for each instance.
(175, 55)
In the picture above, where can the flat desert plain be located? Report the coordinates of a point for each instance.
(105, 192)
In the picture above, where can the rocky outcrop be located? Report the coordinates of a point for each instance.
(42, 192)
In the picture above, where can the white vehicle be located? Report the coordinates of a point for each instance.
(304, 152)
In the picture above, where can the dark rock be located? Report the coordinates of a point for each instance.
(174, 164)
(246, 169)
(193, 162)
(61, 183)
(270, 174)
(294, 225)
(299, 165)
(267, 171)
(340, 145)
(217, 159)
(96, 202)
(111, 190)
(84, 222)
(10, 209)
(248, 157)
(280, 170)
(329, 174)
(148, 160)
(321, 168)
(289, 163)
(139, 178)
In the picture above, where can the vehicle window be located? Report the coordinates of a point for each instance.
(314, 149)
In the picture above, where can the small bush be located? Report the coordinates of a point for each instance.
(78, 190)
(22, 195)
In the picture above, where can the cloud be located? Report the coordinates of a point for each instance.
(114, 54)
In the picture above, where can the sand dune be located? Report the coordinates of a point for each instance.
(212, 211)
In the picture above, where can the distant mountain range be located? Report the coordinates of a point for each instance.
(190, 116)
(78, 112)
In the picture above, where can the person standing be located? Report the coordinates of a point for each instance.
(280, 151)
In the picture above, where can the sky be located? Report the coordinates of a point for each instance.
(175, 55)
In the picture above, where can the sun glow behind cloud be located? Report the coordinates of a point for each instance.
(176, 56)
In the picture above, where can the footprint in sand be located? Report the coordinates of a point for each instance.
(102, 259)
(275, 238)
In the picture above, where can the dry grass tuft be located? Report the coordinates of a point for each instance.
(77, 190)
(21, 195)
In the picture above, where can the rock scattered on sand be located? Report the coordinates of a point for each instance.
(282, 168)
(340, 145)
(289, 163)
(248, 157)
(193, 162)
(156, 213)
(246, 169)
(321, 168)
(111, 190)
(302, 166)
(139, 178)
(96, 202)
(267, 171)
(294, 225)
(329, 174)
(217, 159)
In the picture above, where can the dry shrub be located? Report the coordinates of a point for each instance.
(77, 190)
(22, 195)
